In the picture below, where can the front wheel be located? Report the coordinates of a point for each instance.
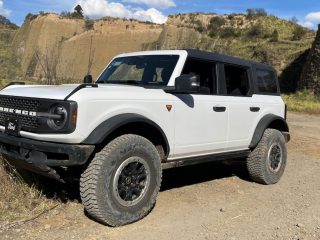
(267, 162)
(121, 183)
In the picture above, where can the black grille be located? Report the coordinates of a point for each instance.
(28, 123)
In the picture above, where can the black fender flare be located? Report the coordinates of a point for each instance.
(102, 131)
(267, 121)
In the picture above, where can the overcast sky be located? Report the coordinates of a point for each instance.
(307, 12)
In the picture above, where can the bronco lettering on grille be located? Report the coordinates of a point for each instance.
(18, 111)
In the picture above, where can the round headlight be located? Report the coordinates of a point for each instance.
(59, 119)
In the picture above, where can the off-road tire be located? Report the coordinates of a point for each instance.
(97, 181)
(258, 163)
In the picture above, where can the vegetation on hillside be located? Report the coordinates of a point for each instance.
(302, 102)
(76, 14)
(9, 64)
(6, 23)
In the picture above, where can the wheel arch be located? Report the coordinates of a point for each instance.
(129, 123)
(269, 121)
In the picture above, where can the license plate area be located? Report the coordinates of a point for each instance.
(12, 127)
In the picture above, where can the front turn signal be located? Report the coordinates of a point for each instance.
(74, 116)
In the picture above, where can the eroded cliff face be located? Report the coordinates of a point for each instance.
(310, 77)
(68, 44)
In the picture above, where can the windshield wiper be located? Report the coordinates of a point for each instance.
(129, 82)
(133, 82)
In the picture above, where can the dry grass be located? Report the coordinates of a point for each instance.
(3, 82)
(302, 102)
(18, 201)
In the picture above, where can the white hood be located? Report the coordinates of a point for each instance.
(40, 91)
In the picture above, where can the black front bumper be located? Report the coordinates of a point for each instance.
(43, 157)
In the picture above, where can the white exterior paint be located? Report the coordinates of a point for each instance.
(191, 127)
(40, 91)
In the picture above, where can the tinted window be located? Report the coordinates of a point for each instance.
(237, 81)
(266, 81)
(206, 71)
(141, 70)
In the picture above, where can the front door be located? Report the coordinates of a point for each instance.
(201, 119)
(200, 125)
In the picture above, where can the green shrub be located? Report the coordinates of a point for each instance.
(89, 24)
(229, 32)
(199, 26)
(253, 13)
(30, 17)
(217, 21)
(71, 15)
(298, 33)
(263, 54)
(255, 31)
(231, 17)
(215, 25)
(275, 36)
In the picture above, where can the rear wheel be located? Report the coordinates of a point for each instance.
(121, 183)
(267, 162)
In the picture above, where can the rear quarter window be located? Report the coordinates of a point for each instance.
(266, 81)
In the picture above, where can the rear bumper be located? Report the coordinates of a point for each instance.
(41, 157)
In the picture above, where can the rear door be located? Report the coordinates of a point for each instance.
(242, 111)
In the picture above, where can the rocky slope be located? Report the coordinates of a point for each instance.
(310, 78)
(67, 42)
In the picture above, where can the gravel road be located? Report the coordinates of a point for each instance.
(212, 201)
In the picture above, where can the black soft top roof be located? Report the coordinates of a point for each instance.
(225, 59)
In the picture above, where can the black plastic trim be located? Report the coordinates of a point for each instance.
(78, 154)
(254, 109)
(41, 157)
(263, 124)
(219, 109)
(206, 158)
(107, 127)
(84, 85)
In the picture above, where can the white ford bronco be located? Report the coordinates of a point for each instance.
(146, 112)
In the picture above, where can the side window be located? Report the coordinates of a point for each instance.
(207, 73)
(237, 80)
(266, 81)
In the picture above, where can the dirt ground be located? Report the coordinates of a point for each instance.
(212, 201)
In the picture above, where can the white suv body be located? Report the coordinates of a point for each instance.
(230, 105)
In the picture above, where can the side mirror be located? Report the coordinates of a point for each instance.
(88, 79)
(188, 83)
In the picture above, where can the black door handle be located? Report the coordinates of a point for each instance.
(219, 109)
(254, 109)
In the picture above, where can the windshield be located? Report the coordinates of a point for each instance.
(140, 70)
